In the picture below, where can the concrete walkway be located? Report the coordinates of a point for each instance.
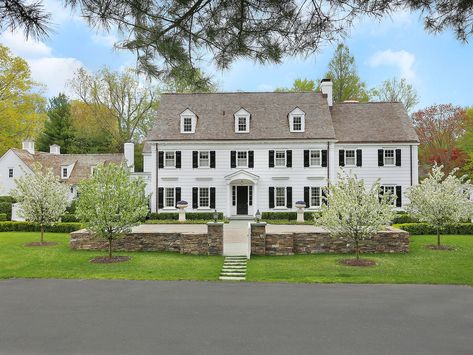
(235, 238)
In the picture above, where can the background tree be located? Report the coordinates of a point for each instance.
(188, 80)
(300, 85)
(130, 102)
(110, 202)
(58, 128)
(440, 201)
(42, 197)
(22, 108)
(397, 90)
(347, 85)
(439, 128)
(353, 211)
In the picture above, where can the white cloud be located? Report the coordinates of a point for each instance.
(54, 72)
(59, 13)
(107, 40)
(402, 59)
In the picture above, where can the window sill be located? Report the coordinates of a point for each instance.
(169, 208)
(204, 208)
(280, 208)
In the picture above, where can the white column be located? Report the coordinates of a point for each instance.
(229, 201)
(154, 172)
(415, 165)
(331, 162)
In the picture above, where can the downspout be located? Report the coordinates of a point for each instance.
(328, 164)
(157, 170)
(410, 151)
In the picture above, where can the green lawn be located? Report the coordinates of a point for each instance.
(18, 261)
(420, 265)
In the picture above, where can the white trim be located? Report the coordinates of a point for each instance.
(354, 157)
(384, 157)
(188, 114)
(320, 158)
(242, 113)
(285, 158)
(247, 159)
(297, 112)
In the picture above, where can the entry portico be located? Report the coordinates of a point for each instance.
(242, 193)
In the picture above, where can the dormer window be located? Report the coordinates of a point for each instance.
(188, 121)
(242, 121)
(297, 120)
(65, 172)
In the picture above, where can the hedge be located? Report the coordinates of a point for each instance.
(5, 207)
(205, 216)
(290, 216)
(7, 199)
(424, 228)
(34, 227)
(404, 218)
(3, 217)
(69, 217)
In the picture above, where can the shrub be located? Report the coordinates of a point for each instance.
(204, 216)
(403, 217)
(72, 207)
(69, 217)
(9, 199)
(3, 217)
(5, 207)
(34, 227)
(424, 228)
(289, 216)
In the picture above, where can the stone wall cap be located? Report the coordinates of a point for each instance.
(258, 224)
(215, 223)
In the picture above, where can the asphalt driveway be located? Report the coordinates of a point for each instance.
(141, 317)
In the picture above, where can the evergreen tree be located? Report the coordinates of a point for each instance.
(347, 85)
(58, 128)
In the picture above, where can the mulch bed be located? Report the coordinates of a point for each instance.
(39, 244)
(354, 262)
(439, 247)
(107, 260)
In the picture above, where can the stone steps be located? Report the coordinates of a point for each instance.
(234, 268)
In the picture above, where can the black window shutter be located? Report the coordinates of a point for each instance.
(380, 157)
(161, 160)
(271, 158)
(195, 197)
(250, 195)
(306, 158)
(178, 194)
(233, 159)
(212, 197)
(271, 197)
(341, 157)
(398, 157)
(288, 158)
(212, 159)
(178, 159)
(195, 159)
(307, 196)
(359, 157)
(324, 158)
(160, 197)
(251, 159)
(233, 195)
(381, 192)
(398, 196)
(324, 196)
(289, 197)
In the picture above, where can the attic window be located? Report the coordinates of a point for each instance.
(64, 172)
(242, 121)
(296, 120)
(188, 121)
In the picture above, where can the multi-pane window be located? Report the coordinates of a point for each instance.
(297, 123)
(64, 172)
(204, 160)
(315, 197)
(350, 157)
(169, 159)
(389, 157)
(204, 199)
(280, 196)
(10, 172)
(242, 159)
(280, 158)
(315, 159)
(242, 126)
(187, 124)
(391, 190)
(169, 197)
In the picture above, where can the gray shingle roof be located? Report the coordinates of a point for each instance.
(346, 122)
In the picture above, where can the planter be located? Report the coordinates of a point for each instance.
(182, 205)
(300, 211)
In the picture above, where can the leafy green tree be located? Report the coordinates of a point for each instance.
(58, 128)
(347, 85)
(111, 202)
(394, 90)
(300, 85)
(188, 80)
(42, 197)
(22, 107)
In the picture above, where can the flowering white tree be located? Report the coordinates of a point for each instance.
(111, 202)
(441, 200)
(353, 211)
(42, 197)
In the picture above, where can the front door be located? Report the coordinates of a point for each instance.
(242, 200)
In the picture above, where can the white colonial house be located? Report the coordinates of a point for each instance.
(243, 152)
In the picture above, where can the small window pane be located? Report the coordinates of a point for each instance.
(169, 160)
(204, 159)
(242, 124)
(350, 158)
(187, 124)
(10, 172)
(169, 197)
(315, 158)
(389, 157)
(280, 158)
(315, 197)
(204, 200)
(280, 197)
(297, 123)
(242, 159)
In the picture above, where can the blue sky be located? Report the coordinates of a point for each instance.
(438, 66)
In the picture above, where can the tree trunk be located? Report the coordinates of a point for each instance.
(42, 233)
(438, 237)
(110, 248)
(357, 250)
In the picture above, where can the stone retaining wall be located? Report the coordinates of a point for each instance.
(210, 243)
(392, 240)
